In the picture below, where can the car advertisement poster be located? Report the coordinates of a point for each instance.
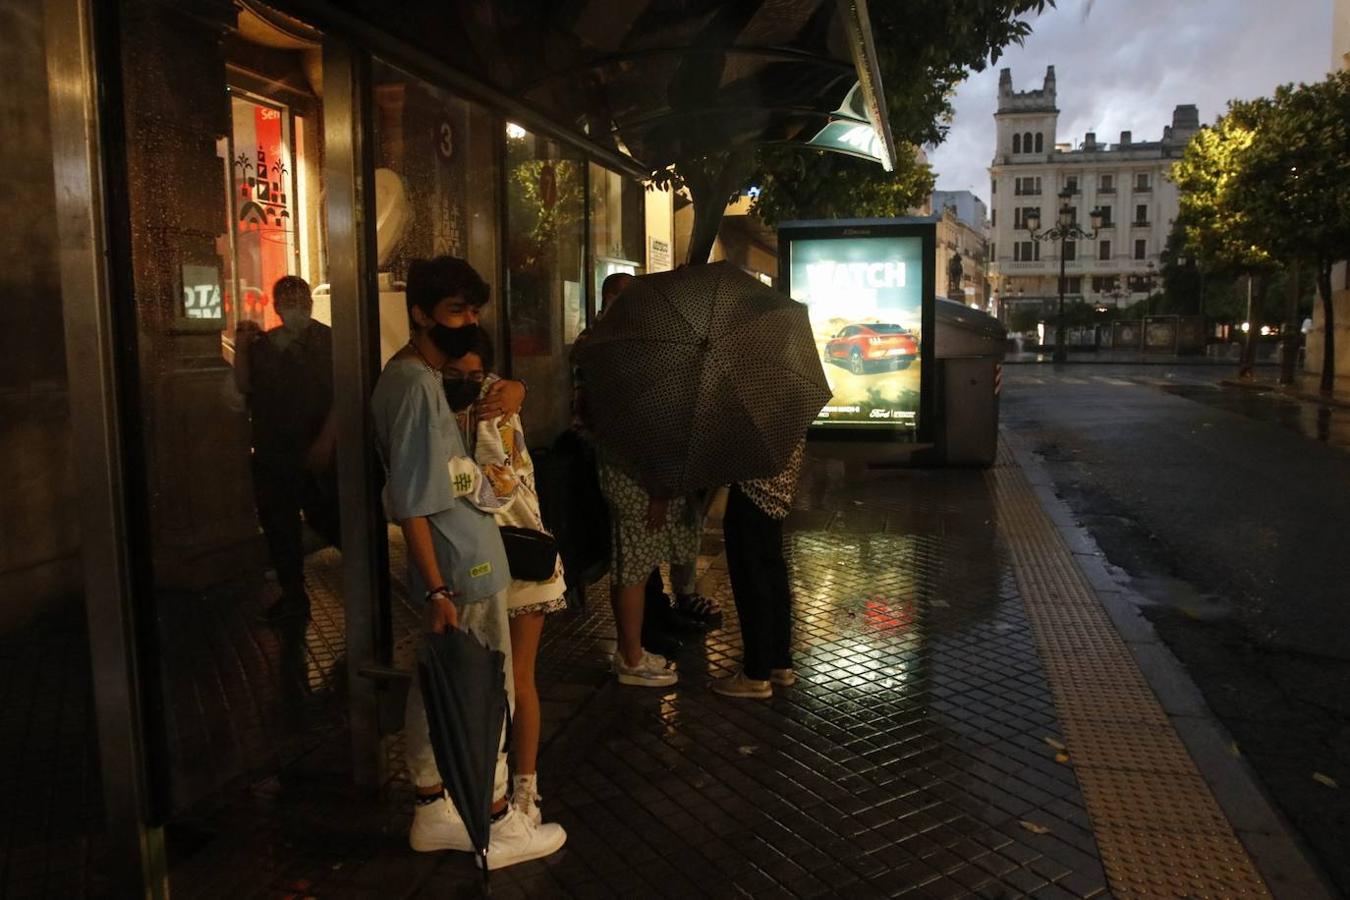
(865, 296)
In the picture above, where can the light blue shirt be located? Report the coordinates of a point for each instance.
(417, 436)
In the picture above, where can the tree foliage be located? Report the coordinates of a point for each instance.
(1219, 232)
(1269, 184)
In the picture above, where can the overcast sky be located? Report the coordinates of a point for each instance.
(1127, 63)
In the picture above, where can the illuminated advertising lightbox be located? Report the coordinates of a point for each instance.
(868, 288)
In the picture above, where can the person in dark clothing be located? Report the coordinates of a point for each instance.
(753, 532)
(286, 374)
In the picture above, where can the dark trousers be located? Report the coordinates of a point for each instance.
(283, 490)
(759, 581)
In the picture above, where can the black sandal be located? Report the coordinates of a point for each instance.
(697, 607)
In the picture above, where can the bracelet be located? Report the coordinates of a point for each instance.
(443, 590)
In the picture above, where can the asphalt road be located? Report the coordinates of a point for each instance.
(1229, 512)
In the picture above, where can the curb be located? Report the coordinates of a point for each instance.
(1286, 391)
(1285, 864)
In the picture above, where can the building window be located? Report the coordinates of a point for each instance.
(1070, 250)
(993, 250)
(1017, 143)
(1040, 142)
(1102, 284)
(1028, 186)
(993, 219)
(1141, 214)
(1141, 182)
(1026, 142)
(1140, 249)
(1026, 251)
(1073, 284)
(1071, 184)
(1106, 184)
(1106, 216)
(1022, 213)
(993, 186)
(1104, 250)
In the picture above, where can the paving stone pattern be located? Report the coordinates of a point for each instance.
(915, 756)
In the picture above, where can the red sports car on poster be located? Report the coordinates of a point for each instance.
(862, 346)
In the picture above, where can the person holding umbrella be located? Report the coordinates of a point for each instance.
(699, 377)
(457, 562)
(753, 531)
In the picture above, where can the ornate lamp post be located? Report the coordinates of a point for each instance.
(1150, 273)
(1064, 229)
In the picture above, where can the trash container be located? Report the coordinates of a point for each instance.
(970, 349)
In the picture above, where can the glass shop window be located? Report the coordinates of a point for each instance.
(546, 290)
(274, 222)
(618, 232)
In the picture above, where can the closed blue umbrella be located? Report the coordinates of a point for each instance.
(464, 690)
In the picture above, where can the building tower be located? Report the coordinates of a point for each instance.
(1026, 120)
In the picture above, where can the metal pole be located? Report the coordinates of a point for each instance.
(134, 855)
(1061, 352)
(348, 172)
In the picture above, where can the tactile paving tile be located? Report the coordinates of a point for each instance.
(1159, 828)
(1145, 864)
(1130, 746)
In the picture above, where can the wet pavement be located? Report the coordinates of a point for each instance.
(918, 740)
(922, 753)
(1211, 506)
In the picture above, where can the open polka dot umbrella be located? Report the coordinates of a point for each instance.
(702, 376)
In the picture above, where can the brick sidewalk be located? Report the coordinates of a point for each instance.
(920, 754)
(917, 753)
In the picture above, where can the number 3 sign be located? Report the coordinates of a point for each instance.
(445, 140)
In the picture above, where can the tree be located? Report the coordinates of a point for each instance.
(925, 48)
(1294, 186)
(1220, 232)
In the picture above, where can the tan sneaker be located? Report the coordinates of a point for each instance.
(651, 671)
(739, 686)
(783, 677)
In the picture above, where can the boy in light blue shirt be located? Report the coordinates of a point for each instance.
(443, 503)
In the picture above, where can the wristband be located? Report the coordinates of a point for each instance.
(438, 590)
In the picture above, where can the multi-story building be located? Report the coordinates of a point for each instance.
(1126, 181)
(962, 229)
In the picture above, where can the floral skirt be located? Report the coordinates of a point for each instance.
(635, 551)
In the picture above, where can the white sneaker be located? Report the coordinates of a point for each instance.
(437, 826)
(525, 797)
(651, 670)
(515, 839)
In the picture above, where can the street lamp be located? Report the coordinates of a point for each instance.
(1064, 229)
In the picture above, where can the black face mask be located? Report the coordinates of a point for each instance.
(460, 393)
(452, 342)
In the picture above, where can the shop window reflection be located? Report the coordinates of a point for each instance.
(618, 230)
(435, 190)
(546, 295)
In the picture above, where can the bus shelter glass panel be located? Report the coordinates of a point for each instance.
(618, 214)
(435, 191)
(234, 360)
(50, 792)
(546, 210)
